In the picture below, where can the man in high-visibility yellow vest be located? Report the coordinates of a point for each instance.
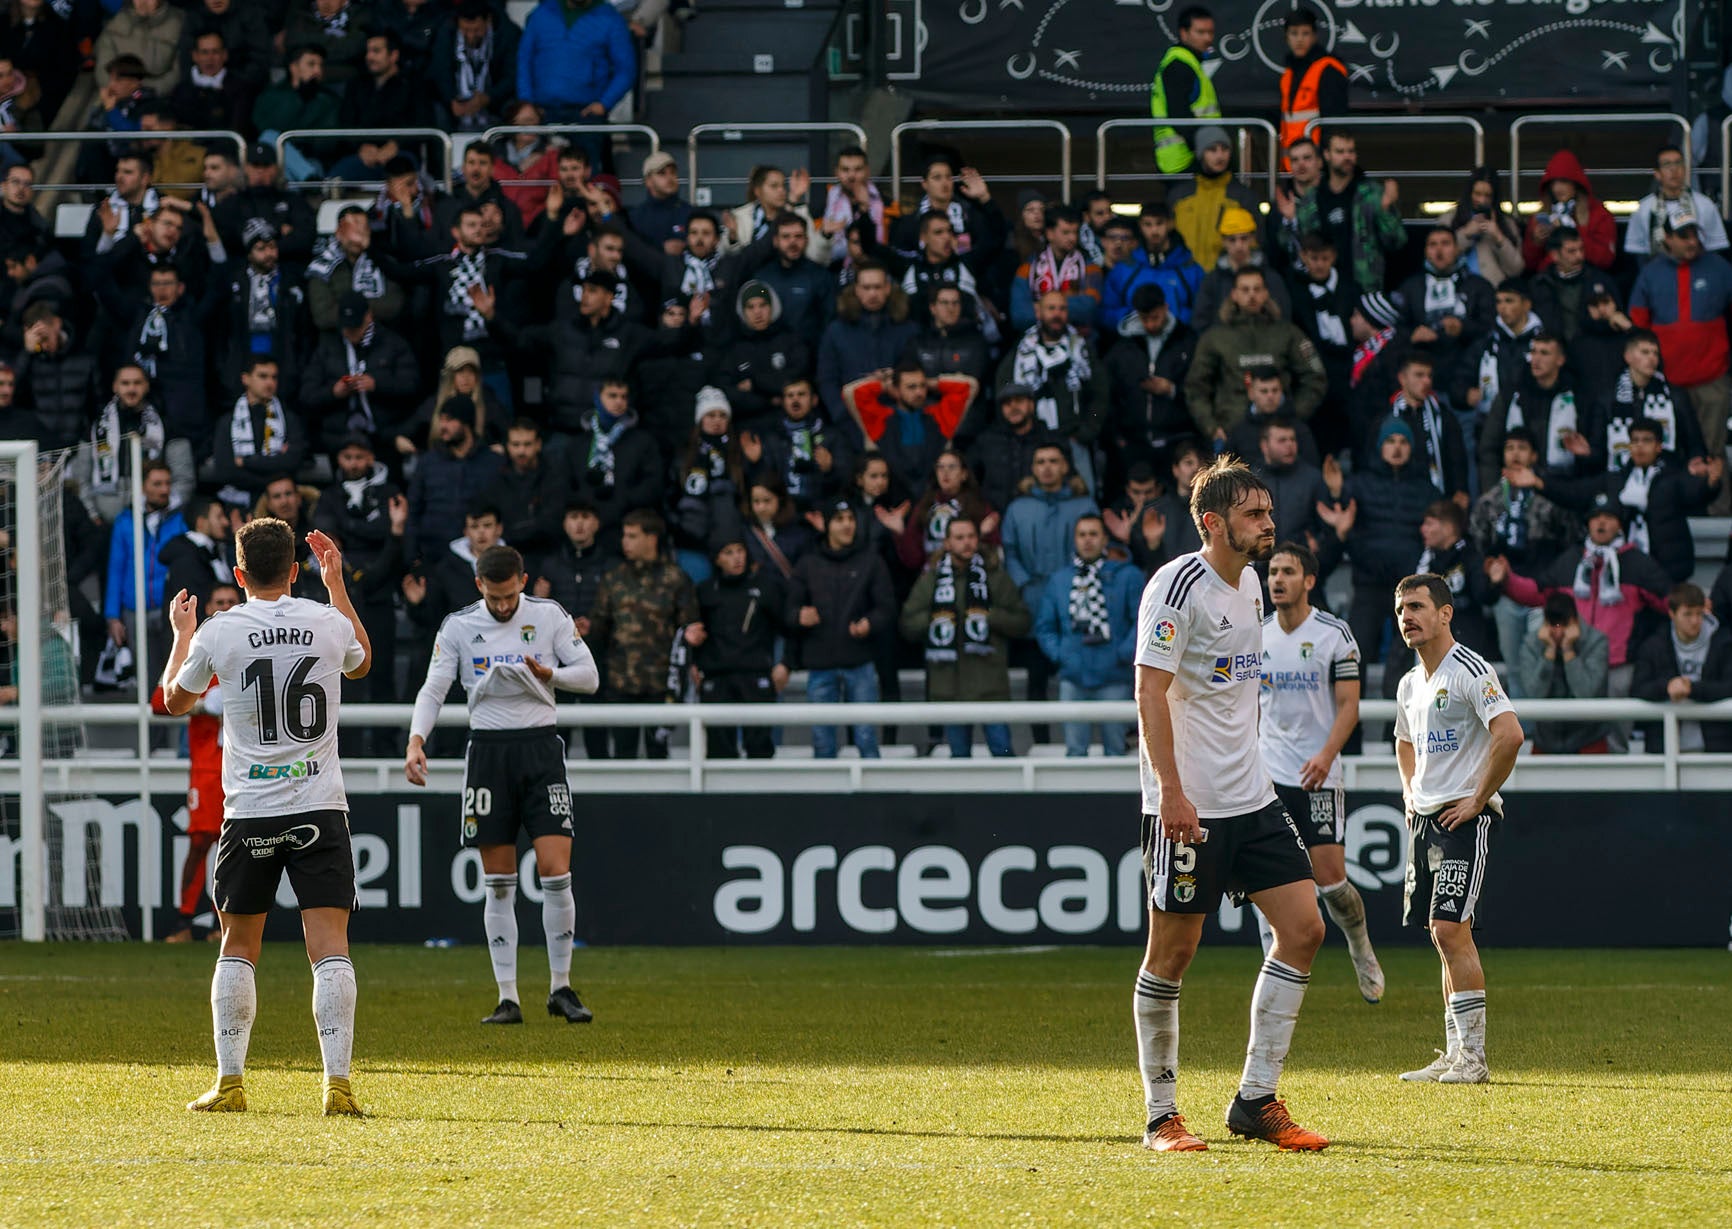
(1182, 89)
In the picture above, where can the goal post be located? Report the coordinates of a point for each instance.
(19, 459)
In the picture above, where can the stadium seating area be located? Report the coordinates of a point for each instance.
(360, 316)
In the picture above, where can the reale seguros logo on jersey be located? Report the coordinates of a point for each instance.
(1238, 668)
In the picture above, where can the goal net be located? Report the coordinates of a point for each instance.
(62, 870)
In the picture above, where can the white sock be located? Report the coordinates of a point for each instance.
(1265, 932)
(1467, 1008)
(1347, 908)
(1451, 1038)
(1156, 1008)
(233, 1004)
(559, 921)
(334, 1013)
(1274, 1011)
(499, 920)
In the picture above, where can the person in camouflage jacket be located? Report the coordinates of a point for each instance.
(641, 605)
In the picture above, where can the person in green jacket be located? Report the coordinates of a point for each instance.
(1361, 217)
(1182, 89)
(1251, 333)
(966, 610)
(301, 101)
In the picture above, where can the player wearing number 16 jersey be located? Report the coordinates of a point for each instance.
(1211, 821)
(511, 651)
(279, 661)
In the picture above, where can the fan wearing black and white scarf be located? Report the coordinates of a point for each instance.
(364, 276)
(1653, 400)
(108, 441)
(1609, 592)
(1427, 420)
(1505, 351)
(474, 69)
(1040, 359)
(269, 438)
(1088, 601)
(604, 432)
(941, 629)
(355, 358)
(468, 273)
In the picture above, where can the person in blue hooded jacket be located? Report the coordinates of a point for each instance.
(1037, 540)
(1086, 624)
(1160, 259)
(576, 60)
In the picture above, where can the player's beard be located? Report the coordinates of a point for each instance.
(1254, 549)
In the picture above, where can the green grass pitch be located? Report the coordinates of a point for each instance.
(840, 1087)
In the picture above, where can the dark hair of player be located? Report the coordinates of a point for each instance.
(265, 551)
(1302, 556)
(498, 565)
(1434, 587)
(1220, 487)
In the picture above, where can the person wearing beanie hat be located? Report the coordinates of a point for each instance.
(1182, 89)
(1200, 204)
(449, 476)
(1361, 217)
(844, 605)
(1237, 230)
(764, 354)
(708, 480)
(711, 400)
(262, 196)
(264, 303)
(741, 616)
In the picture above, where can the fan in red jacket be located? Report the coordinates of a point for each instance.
(1566, 200)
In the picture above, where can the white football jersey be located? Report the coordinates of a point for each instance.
(1446, 717)
(280, 665)
(488, 656)
(1208, 635)
(1300, 670)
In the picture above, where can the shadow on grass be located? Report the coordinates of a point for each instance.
(1475, 1154)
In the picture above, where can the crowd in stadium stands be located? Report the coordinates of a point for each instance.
(834, 433)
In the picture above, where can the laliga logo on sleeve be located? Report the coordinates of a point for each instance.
(1161, 639)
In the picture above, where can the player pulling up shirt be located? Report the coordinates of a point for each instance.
(511, 651)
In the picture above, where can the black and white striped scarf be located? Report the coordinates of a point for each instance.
(108, 441)
(1088, 602)
(354, 357)
(1610, 593)
(152, 338)
(1654, 401)
(468, 271)
(1428, 418)
(127, 216)
(365, 279)
(941, 629)
(262, 299)
(474, 66)
(1638, 484)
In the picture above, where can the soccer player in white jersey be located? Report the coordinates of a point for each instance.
(1212, 823)
(279, 661)
(511, 651)
(1310, 708)
(1456, 739)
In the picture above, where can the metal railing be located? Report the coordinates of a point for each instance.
(1358, 122)
(200, 136)
(739, 132)
(977, 125)
(1243, 125)
(371, 135)
(1596, 119)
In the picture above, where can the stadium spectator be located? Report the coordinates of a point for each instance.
(1296, 487)
(1200, 204)
(1581, 306)
(293, 504)
(594, 344)
(1141, 489)
(1146, 371)
(101, 469)
(639, 607)
(150, 30)
(1164, 530)
(1361, 218)
(1061, 267)
(1157, 257)
(1541, 399)
(1438, 451)
(1379, 523)
(742, 618)
(379, 99)
(302, 100)
(41, 44)
(1672, 198)
(770, 193)
(115, 109)
(1513, 519)
(868, 335)
(246, 39)
(1238, 250)
(1684, 295)
(132, 201)
(21, 223)
(661, 216)
(572, 575)
(950, 343)
(804, 289)
(764, 355)
(842, 601)
(290, 217)
(345, 265)
(1324, 300)
(1097, 212)
(459, 375)
(472, 67)
(1612, 582)
(1313, 83)
(1445, 308)
(449, 476)
(1003, 454)
(1565, 659)
(1086, 624)
(962, 195)
(1072, 395)
(201, 558)
(1450, 554)
(1182, 89)
(709, 484)
(339, 28)
(615, 463)
(56, 380)
(948, 490)
(417, 23)
(264, 303)
(1038, 534)
(258, 440)
(935, 262)
(852, 198)
(211, 95)
(530, 156)
(1485, 233)
(362, 377)
(1281, 225)
(1691, 662)
(529, 492)
(1498, 359)
(802, 449)
(1250, 332)
(775, 538)
(1567, 202)
(965, 611)
(1266, 400)
(444, 581)
(1657, 498)
(120, 599)
(1641, 390)
(576, 61)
